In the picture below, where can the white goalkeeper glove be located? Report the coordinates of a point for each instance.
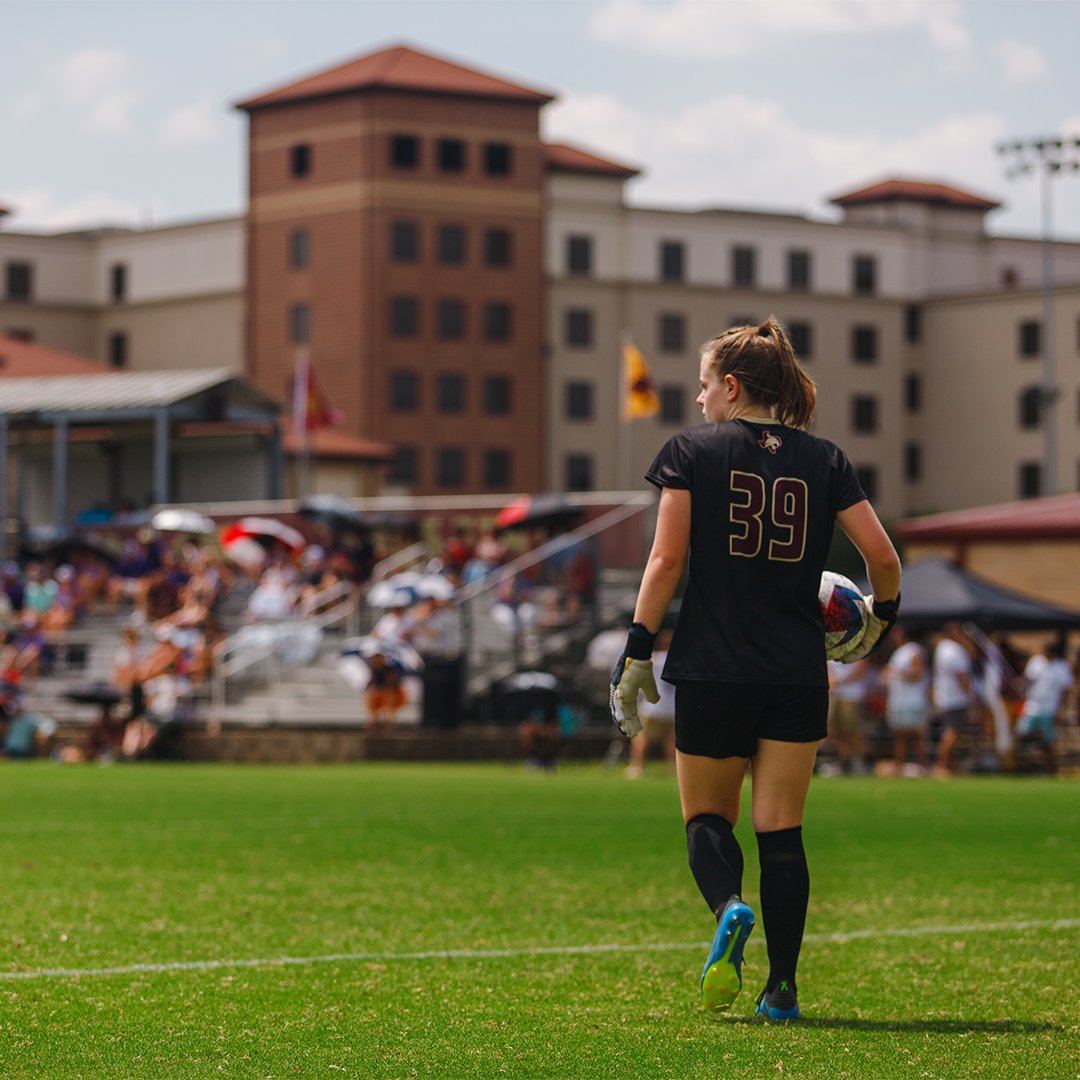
(633, 673)
(880, 619)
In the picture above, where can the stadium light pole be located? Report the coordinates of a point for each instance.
(1049, 157)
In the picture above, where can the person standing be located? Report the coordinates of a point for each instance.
(953, 694)
(1049, 677)
(751, 498)
(907, 699)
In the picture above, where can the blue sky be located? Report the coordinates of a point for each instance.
(121, 111)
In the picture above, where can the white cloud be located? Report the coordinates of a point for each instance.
(711, 28)
(1022, 61)
(35, 208)
(97, 82)
(27, 104)
(198, 121)
(732, 150)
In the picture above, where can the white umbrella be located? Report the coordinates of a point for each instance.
(354, 665)
(265, 528)
(180, 519)
(434, 587)
(388, 595)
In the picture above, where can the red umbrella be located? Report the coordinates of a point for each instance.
(265, 531)
(532, 510)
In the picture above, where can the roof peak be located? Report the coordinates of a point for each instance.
(896, 188)
(398, 67)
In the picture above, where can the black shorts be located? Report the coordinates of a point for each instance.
(725, 719)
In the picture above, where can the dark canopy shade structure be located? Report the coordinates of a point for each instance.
(935, 592)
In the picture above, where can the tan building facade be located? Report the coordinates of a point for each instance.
(462, 291)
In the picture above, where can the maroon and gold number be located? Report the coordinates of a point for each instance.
(788, 513)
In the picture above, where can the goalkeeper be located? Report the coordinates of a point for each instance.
(752, 498)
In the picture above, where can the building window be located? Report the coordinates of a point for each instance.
(579, 328)
(118, 349)
(404, 241)
(579, 401)
(19, 280)
(404, 151)
(299, 249)
(404, 316)
(1030, 407)
(451, 155)
(578, 472)
(743, 268)
(498, 247)
(450, 466)
(801, 336)
(672, 259)
(798, 271)
(404, 391)
(496, 395)
(1030, 480)
(912, 393)
(498, 159)
(496, 467)
(672, 405)
(118, 282)
(864, 344)
(912, 461)
(913, 323)
(864, 414)
(1030, 338)
(450, 393)
(299, 324)
(498, 320)
(867, 476)
(450, 245)
(450, 320)
(671, 332)
(300, 159)
(579, 255)
(864, 275)
(405, 465)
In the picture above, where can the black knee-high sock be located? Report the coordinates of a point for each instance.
(785, 893)
(716, 860)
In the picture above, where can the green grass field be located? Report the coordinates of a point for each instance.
(304, 900)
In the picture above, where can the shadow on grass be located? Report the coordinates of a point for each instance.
(938, 1027)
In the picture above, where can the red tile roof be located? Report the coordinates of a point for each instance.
(332, 443)
(398, 68)
(1055, 516)
(915, 191)
(26, 359)
(564, 158)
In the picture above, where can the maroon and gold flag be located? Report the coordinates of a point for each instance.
(641, 398)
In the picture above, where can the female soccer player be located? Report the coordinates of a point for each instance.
(753, 498)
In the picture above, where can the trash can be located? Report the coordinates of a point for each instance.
(443, 682)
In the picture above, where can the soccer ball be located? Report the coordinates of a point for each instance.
(844, 612)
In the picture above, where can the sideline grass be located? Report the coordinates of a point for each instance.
(165, 864)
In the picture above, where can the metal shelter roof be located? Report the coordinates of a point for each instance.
(85, 396)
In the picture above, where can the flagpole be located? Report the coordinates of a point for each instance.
(301, 393)
(625, 442)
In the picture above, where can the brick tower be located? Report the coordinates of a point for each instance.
(395, 231)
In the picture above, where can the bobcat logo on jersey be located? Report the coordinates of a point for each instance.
(770, 442)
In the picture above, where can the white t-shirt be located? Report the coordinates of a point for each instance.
(849, 682)
(664, 709)
(905, 693)
(951, 662)
(1048, 682)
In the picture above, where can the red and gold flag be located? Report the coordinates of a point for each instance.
(641, 398)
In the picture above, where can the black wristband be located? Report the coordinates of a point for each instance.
(639, 642)
(887, 610)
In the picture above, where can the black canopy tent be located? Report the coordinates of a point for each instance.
(935, 591)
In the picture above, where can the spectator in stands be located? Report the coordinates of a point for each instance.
(12, 584)
(953, 695)
(28, 651)
(847, 699)
(488, 553)
(1050, 678)
(274, 597)
(132, 574)
(40, 591)
(66, 606)
(907, 702)
(384, 695)
(456, 552)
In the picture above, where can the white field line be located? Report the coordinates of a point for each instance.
(496, 954)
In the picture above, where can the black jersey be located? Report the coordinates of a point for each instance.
(763, 502)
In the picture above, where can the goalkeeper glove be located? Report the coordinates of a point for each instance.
(632, 673)
(880, 619)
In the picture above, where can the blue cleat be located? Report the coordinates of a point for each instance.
(721, 980)
(780, 1003)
